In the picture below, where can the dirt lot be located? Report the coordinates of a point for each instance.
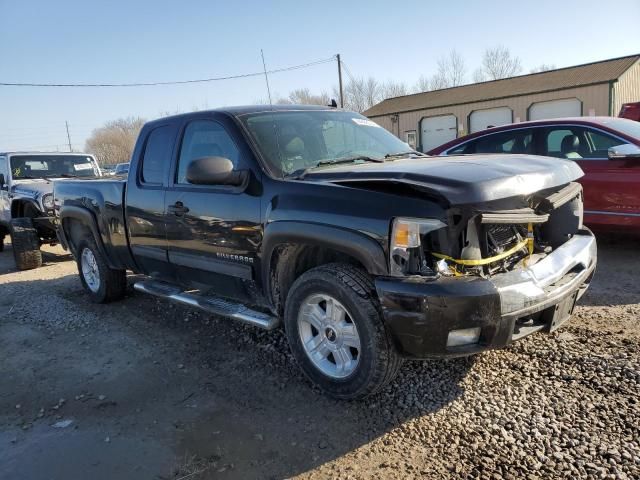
(142, 389)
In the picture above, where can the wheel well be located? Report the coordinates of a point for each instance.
(75, 231)
(289, 261)
(24, 209)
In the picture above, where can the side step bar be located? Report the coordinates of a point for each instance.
(213, 305)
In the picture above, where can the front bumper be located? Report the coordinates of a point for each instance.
(420, 313)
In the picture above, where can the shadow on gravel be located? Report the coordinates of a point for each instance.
(227, 400)
(615, 281)
(7, 264)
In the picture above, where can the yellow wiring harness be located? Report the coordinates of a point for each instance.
(528, 242)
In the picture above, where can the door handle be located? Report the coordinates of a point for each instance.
(178, 209)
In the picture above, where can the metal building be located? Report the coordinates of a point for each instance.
(426, 120)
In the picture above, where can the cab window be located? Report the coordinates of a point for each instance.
(157, 154)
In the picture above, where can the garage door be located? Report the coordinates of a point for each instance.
(568, 107)
(491, 117)
(434, 131)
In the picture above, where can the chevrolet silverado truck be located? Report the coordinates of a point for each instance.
(26, 199)
(318, 219)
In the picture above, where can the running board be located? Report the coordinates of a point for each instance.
(213, 305)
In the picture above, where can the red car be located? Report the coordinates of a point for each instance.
(606, 148)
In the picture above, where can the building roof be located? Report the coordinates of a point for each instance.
(562, 78)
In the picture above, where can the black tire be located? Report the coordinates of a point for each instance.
(1, 243)
(25, 244)
(112, 284)
(379, 361)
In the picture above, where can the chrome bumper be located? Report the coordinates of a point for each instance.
(550, 280)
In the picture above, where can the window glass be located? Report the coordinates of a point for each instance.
(554, 142)
(577, 143)
(205, 138)
(515, 141)
(600, 143)
(157, 154)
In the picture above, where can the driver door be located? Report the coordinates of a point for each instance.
(213, 231)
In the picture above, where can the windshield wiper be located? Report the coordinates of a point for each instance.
(406, 154)
(338, 161)
(65, 175)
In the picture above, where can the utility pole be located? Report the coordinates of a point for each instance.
(340, 81)
(68, 136)
(266, 77)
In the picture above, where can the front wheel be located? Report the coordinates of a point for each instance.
(335, 330)
(101, 282)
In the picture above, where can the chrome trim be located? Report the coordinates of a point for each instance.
(213, 305)
(619, 214)
(533, 288)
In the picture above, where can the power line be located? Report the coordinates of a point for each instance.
(177, 82)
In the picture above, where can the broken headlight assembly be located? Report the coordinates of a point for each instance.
(47, 201)
(406, 248)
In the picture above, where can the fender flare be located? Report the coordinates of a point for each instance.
(86, 218)
(355, 244)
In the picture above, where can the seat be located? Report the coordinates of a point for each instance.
(570, 147)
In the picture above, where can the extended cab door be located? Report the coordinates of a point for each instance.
(213, 231)
(145, 194)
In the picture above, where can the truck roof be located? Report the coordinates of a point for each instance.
(244, 109)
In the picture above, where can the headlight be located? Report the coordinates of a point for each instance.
(47, 201)
(407, 253)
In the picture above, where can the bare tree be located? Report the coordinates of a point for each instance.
(498, 62)
(451, 72)
(303, 96)
(113, 143)
(422, 85)
(360, 93)
(543, 67)
(390, 89)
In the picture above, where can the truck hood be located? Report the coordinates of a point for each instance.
(32, 188)
(460, 179)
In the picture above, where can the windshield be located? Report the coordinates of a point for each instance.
(44, 166)
(292, 141)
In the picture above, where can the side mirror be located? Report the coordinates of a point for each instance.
(3, 182)
(623, 152)
(214, 171)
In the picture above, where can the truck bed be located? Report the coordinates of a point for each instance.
(105, 201)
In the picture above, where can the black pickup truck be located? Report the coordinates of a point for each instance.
(367, 251)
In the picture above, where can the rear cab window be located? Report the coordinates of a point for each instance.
(157, 155)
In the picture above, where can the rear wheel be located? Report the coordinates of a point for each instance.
(25, 243)
(336, 333)
(101, 282)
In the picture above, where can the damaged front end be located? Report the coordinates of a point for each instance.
(488, 274)
(487, 239)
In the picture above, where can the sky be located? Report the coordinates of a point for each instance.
(79, 41)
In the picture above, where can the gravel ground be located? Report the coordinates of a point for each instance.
(145, 389)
